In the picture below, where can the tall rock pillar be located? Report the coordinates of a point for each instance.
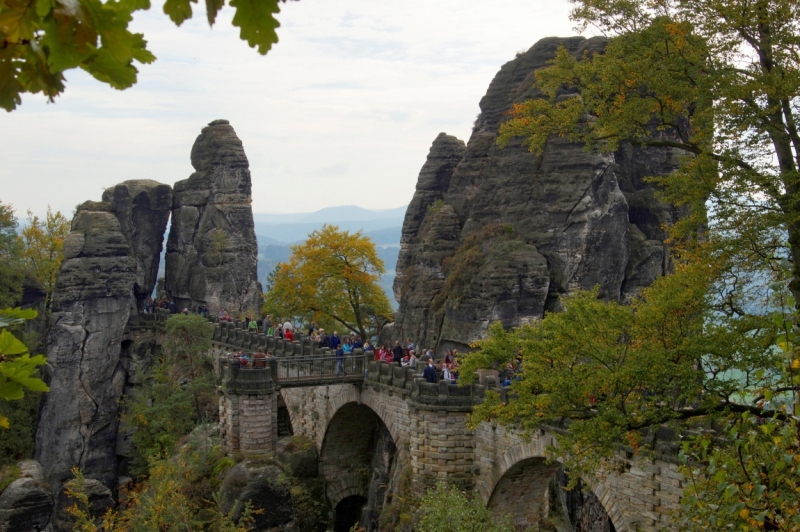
(212, 250)
(91, 307)
(110, 259)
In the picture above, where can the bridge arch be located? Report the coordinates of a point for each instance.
(518, 485)
(358, 458)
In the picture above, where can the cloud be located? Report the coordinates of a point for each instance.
(349, 100)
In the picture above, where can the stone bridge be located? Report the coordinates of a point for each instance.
(429, 437)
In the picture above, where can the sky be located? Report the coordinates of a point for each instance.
(342, 111)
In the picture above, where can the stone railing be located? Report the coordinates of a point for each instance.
(422, 393)
(288, 372)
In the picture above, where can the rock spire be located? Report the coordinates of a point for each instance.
(212, 250)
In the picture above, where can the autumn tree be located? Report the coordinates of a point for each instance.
(332, 279)
(43, 248)
(608, 374)
(40, 41)
(718, 81)
(715, 343)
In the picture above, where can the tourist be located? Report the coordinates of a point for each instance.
(288, 335)
(335, 341)
(448, 357)
(397, 353)
(380, 353)
(185, 311)
(368, 346)
(447, 376)
(340, 363)
(267, 325)
(347, 346)
(409, 344)
(203, 310)
(288, 326)
(388, 356)
(252, 326)
(173, 308)
(311, 329)
(412, 359)
(259, 359)
(243, 358)
(404, 362)
(429, 373)
(279, 332)
(358, 343)
(324, 340)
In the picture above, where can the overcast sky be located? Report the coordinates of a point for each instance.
(341, 111)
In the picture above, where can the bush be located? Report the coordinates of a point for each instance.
(448, 509)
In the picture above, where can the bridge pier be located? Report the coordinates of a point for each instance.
(249, 423)
(248, 408)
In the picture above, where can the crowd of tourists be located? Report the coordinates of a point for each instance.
(406, 354)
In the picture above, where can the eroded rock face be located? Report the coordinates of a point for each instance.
(212, 250)
(142, 208)
(110, 263)
(513, 230)
(91, 307)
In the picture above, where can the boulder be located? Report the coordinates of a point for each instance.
(497, 234)
(299, 455)
(26, 504)
(212, 249)
(264, 486)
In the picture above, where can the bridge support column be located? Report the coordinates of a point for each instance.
(441, 448)
(249, 423)
(248, 407)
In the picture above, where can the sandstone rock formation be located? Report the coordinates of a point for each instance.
(497, 234)
(142, 208)
(212, 250)
(110, 259)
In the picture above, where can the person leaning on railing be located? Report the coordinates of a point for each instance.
(260, 359)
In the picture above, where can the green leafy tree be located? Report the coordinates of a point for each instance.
(448, 509)
(181, 395)
(43, 248)
(718, 81)
(611, 372)
(331, 279)
(18, 369)
(41, 40)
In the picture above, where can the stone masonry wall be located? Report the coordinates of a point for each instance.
(441, 448)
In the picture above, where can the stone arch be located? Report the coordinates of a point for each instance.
(353, 435)
(523, 468)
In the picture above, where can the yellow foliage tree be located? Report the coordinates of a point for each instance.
(331, 279)
(43, 247)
